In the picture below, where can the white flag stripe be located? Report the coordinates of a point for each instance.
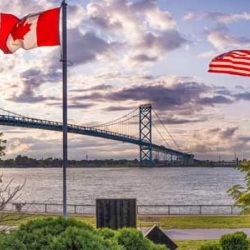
(225, 68)
(229, 64)
(218, 69)
(246, 59)
(245, 62)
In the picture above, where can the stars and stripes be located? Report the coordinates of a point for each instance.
(235, 62)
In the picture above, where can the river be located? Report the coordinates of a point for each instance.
(153, 186)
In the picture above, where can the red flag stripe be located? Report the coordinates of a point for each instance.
(231, 65)
(229, 72)
(47, 28)
(245, 59)
(226, 61)
(236, 62)
(229, 68)
(240, 56)
(243, 70)
(7, 22)
(232, 57)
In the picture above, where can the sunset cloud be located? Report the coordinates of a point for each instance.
(122, 54)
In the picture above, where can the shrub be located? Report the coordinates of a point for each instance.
(132, 239)
(107, 233)
(55, 234)
(70, 234)
(11, 242)
(53, 226)
(234, 241)
(210, 247)
(74, 238)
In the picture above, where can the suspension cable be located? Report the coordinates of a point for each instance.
(161, 135)
(167, 130)
(116, 120)
(13, 113)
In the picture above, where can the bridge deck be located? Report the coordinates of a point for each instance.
(19, 121)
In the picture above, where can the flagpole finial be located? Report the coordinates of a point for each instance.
(63, 2)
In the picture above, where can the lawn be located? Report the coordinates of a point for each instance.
(192, 244)
(165, 222)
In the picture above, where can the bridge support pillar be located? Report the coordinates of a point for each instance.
(145, 133)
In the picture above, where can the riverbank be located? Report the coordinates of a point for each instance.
(27, 162)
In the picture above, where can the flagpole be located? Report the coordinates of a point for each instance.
(65, 125)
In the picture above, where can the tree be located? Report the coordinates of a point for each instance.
(2, 145)
(7, 193)
(240, 194)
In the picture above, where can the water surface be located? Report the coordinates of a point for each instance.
(162, 186)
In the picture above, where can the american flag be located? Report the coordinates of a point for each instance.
(235, 62)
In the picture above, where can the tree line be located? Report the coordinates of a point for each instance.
(24, 161)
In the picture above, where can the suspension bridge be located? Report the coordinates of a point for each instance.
(119, 130)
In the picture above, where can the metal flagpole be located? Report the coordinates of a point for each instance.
(65, 125)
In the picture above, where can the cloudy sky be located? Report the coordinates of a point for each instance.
(124, 53)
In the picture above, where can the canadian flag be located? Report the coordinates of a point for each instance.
(34, 30)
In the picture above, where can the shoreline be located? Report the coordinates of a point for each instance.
(121, 166)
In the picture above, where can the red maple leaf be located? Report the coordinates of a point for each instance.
(20, 30)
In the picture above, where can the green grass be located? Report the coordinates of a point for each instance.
(17, 219)
(192, 244)
(177, 222)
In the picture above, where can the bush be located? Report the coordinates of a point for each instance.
(107, 233)
(53, 226)
(210, 247)
(234, 241)
(74, 238)
(70, 234)
(132, 239)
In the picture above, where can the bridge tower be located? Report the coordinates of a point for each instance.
(145, 134)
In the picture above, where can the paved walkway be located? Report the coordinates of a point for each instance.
(200, 234)
(7, 228)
